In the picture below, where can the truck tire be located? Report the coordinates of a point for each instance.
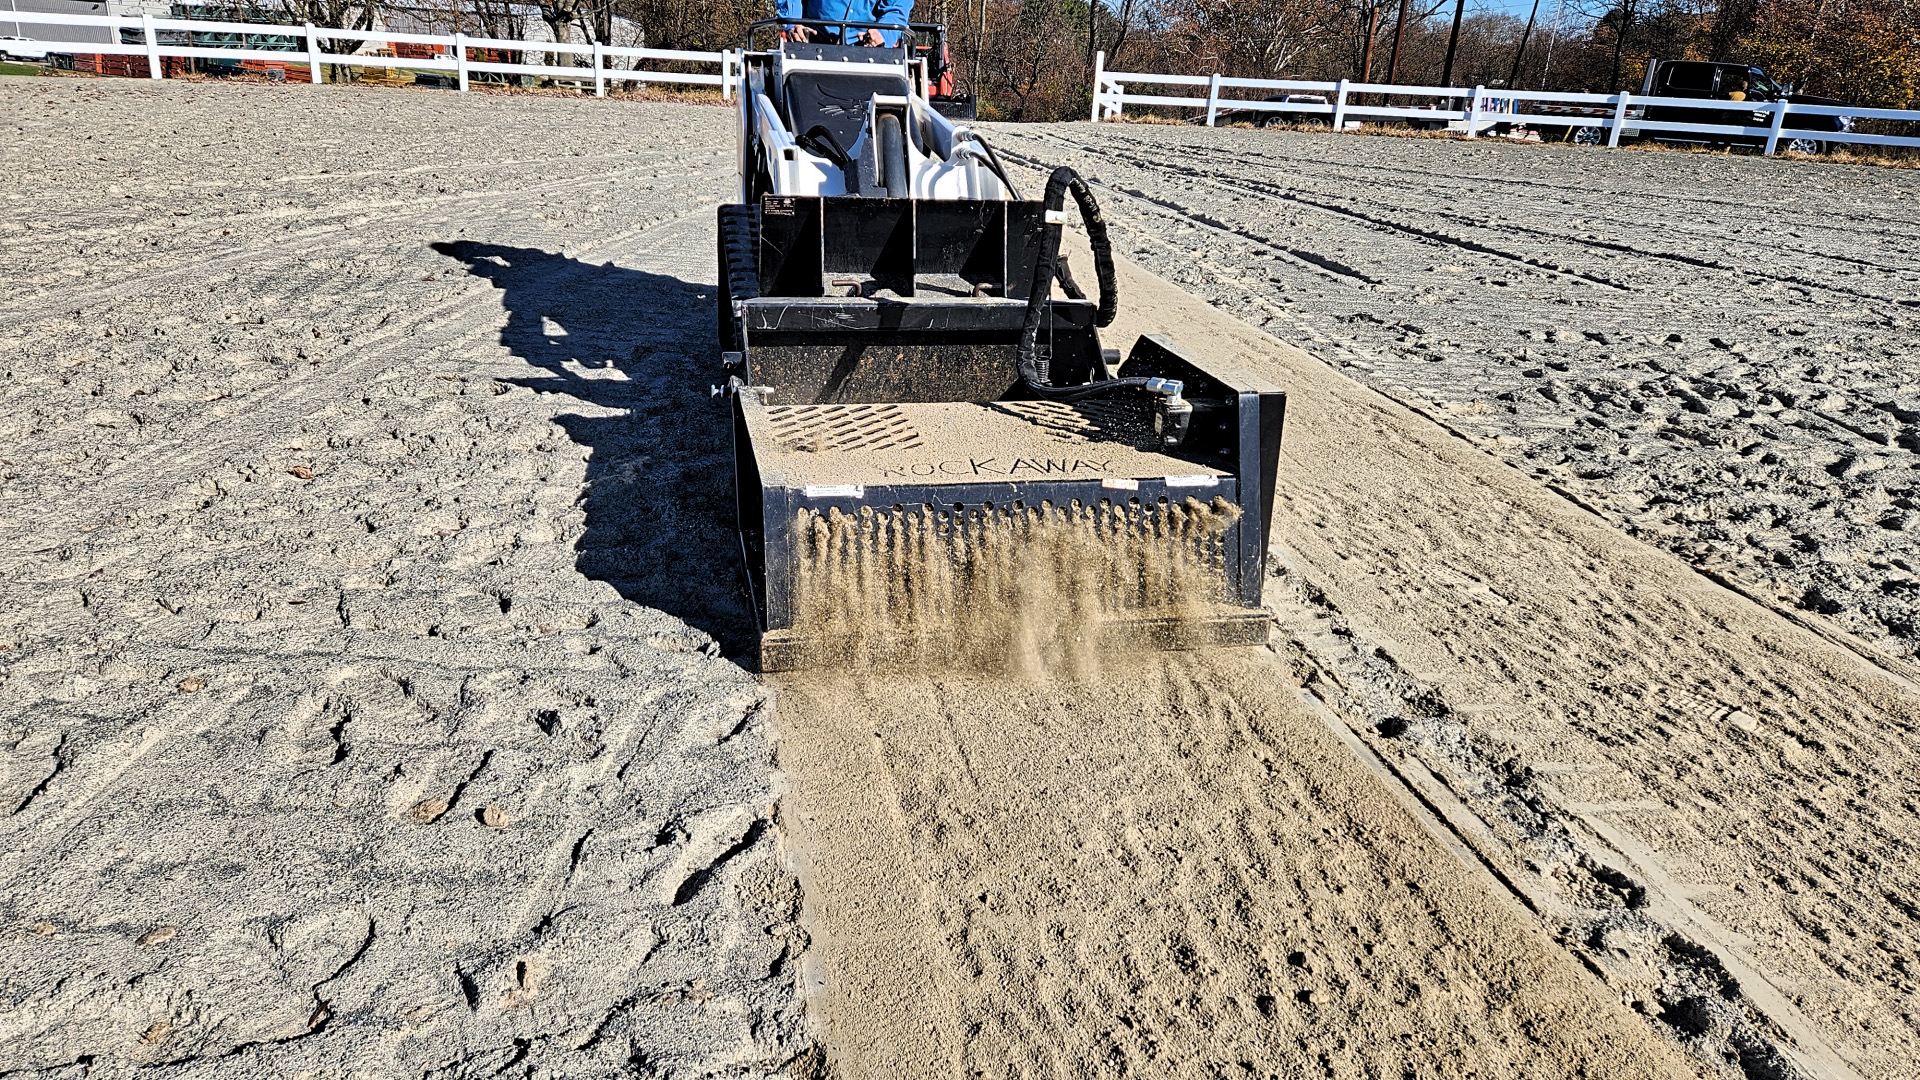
(1803, 145)
(891, 149)
(1587, 135)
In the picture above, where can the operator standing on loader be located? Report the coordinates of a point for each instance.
(877, 11)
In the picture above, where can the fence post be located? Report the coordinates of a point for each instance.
(460, 60)
(313, 56)
(1213, 98)
(1340, 107)
(1779, 121)
(726, 75)
(599, 72)
(1099, 75)
(153, 45)
(1473, 113)
(1619, 117)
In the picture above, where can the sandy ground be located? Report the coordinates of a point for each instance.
(348, 717)
(369, 589)
(1714, 352)
(1710, 805)
(1705, 805)
(1174, 870)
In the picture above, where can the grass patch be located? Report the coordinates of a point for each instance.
(9, 68)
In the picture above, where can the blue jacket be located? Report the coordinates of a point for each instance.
(880, 11)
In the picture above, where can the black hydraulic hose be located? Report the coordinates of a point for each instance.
(1067, 285)
(1088, 390)
(820, 141)
(999, 170)
(1047, 266)
(1062, 181)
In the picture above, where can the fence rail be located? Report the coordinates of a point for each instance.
(1477, 110)
(450, 52)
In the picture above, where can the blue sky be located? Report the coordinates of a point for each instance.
(1517, 8)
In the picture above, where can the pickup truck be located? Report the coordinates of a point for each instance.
(1734, 84)
(19, 48)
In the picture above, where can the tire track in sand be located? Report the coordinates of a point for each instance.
(250, 419)
(1607, 714)
(1171, 870)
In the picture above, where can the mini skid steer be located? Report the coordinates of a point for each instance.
(934, 456)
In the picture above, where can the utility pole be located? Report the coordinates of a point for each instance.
(1373, 28)
(1513, 80)
(1453, 42)
(1399, 32)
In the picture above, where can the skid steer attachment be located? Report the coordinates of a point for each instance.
(935, 457)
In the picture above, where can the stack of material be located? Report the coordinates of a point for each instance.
(128, 67)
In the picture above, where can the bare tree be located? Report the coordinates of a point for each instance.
(337, 15)
(500, 18)
(1256, 37)
(1620, 21)
(1029, 56)
(560, 15)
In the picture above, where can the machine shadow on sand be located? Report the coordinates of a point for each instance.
(658, 498)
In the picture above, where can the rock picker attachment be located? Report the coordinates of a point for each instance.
(935, 458)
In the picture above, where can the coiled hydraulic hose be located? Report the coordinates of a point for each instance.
(1047, 266)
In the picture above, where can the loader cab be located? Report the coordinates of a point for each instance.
(826, 92)
(821, 119)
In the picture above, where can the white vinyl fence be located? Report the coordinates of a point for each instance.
(1477, 110)
(156, 39)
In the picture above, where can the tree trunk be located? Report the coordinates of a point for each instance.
(1620, 44)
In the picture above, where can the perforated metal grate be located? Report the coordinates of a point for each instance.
(1084, 421)
(821, 428)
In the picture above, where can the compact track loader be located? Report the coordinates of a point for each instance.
(934, 454)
